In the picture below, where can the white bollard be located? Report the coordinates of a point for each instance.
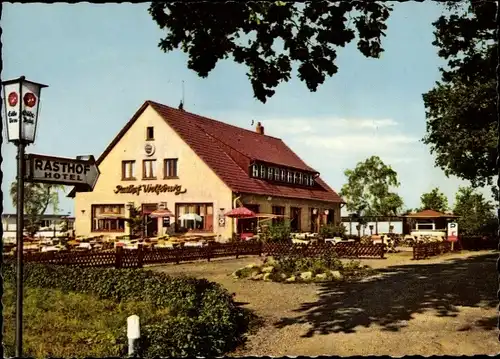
(133, 332)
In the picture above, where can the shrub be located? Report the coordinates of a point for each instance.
(276, 233)
(331, 230)
(202, 316)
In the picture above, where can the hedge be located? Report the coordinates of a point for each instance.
(202, 319)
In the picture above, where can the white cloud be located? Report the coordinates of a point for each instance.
(313, 125)
(358, 142)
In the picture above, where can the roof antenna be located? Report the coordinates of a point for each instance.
(181, 105)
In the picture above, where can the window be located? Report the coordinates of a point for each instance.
(295, 177)
(108, 218)
(255, 171)
(283, 178)
(150, 133)
(46, 223)
(301, 177)
(311, 181)
(270, 173)
(149, 169)
(289, 176)
(170, 168)
(128, 170)
(278, 210)
(276, 174)
(262, 171)
(196, 216)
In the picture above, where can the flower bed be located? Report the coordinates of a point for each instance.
(302, 270)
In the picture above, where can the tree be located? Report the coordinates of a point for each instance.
(367, 191)
(277, 33)
(435, 200)
(137, 222)
(475, 213)
(37, 199)
(461, 108)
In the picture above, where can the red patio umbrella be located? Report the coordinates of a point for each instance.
(240, 212)
(161, 213)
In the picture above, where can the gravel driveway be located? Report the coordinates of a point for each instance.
(443, 305)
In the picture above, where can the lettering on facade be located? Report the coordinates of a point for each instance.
(150, 188)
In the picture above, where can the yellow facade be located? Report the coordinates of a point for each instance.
(199, 181)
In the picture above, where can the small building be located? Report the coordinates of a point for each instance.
(51, 225)
(197, 169)
(430, 223)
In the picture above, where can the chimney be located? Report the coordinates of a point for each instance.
(259, 129)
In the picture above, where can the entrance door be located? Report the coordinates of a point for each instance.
(314, 220)
(151, 224)
(295, 217)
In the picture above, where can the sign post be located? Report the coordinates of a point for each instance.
(452, 233)
(133, 333)
(22, 103)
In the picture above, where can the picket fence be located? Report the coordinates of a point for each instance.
(124, 258)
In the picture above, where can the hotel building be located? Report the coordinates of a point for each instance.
(169, 159)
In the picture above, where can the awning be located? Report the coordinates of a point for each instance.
(240, 212)
(161, 213)
(110, 216)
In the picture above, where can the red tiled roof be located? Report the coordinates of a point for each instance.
(430, 213)
(228, 150)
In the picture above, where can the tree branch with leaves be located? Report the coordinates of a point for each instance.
(268, 37)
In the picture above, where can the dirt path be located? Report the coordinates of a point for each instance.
(443, 305)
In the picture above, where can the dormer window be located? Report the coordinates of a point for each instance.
(270, 173)
(276, 174)
(262, 171)
(306, 180)
(255, 170)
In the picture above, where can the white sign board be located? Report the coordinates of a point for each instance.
(452, 231)
(21, 101)
(58, 170)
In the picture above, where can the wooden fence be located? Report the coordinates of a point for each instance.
(122, 258)
(426, 250)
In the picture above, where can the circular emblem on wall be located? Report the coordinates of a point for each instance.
(13, 98)
(149, 149)
(29, 99)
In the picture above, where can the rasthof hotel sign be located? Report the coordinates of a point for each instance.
(59, 170)
(150, 188)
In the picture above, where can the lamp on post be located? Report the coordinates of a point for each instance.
(22, 103)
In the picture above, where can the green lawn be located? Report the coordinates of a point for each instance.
(71, 324)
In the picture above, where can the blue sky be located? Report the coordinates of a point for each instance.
(102, 62)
